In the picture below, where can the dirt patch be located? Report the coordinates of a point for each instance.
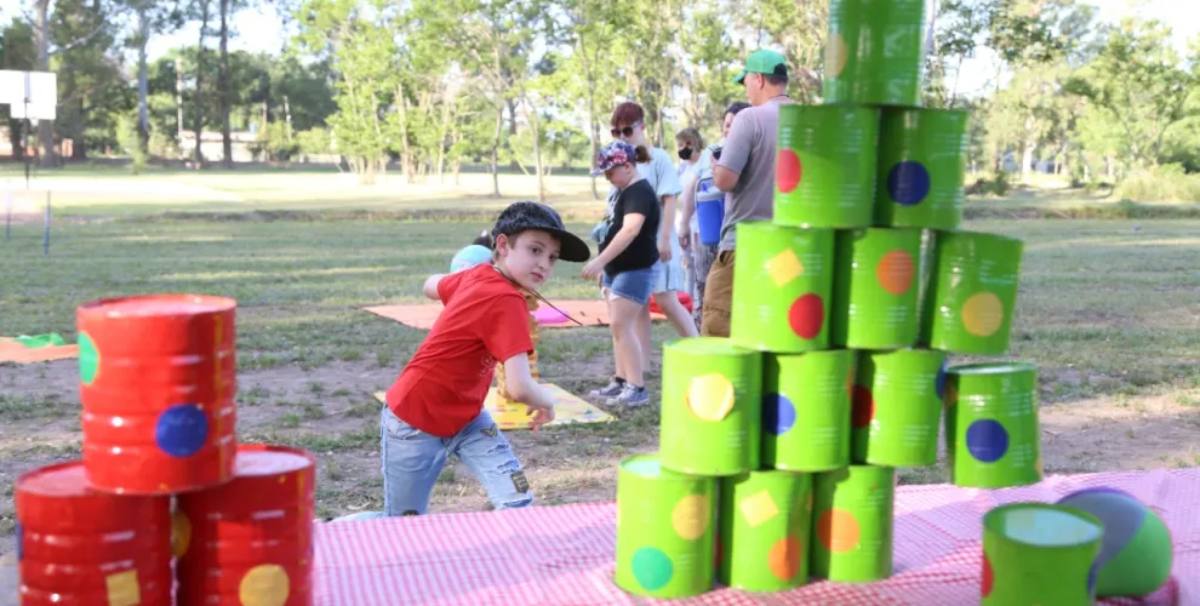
(1111, 433)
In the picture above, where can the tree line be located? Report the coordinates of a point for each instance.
(428, 86)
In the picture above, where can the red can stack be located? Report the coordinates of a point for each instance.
(158, 379)
(77, 545)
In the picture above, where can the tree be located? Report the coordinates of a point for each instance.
(17, 52)
(150, 17)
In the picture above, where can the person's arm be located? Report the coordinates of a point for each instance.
(632, 224)
(524, 389)
(665, 228)
(431, 286)
(688, 208)
(735, 153)
(725, 179)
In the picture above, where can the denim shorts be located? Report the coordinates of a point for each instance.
(635, 284)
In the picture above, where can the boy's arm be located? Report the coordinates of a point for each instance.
(524, 389)
(431, 286)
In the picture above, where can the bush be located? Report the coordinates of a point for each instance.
(1167, 183)
(996, 186)
(314, 142)
(127, 138)
(275, 142)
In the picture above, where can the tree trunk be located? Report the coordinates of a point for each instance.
(594, 132)
(496, 152)
(41, 37)
(223, 85)
(198, 100)
(406, 156)
(143, 86)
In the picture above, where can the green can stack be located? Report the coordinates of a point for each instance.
(992, 435)
(921, 159)
(852, 523)
(765, 521)
(711, 407)
(875, 288)
(873, 53)
(974, 292)
(825, 166)
(806, 410)
(897, 407)
(783, 280)
(666, 530)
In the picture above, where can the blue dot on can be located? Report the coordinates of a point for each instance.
(908, 183)
(778, 413)
(940, 381)
(652, 568)
(181, 430)
(987, 440)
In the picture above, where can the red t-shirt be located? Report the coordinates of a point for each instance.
(485, 320)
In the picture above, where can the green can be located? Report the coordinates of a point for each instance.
(825, 165)
(875, 288)
(666, 530)
(806, 410)
(973, 293)
(766, 517)
(711, 407)
(852, 520)
(898, 406)
(921, 158)
(1036, 553)
(873, 54)
(992, 437)
(783, 284)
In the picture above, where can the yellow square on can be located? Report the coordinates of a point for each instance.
(758, 508)
(123, 589)
(784, 267)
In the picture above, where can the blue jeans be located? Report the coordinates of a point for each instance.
(634, 284)
(412, 460)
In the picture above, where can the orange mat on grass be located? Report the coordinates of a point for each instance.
(11, 350)
(592, 312)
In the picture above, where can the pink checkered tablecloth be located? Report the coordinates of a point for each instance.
(564, 554)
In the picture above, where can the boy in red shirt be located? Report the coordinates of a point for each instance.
(435, 407)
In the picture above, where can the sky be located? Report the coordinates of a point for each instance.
(262, 31)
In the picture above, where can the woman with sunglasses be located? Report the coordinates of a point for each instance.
(628, 125)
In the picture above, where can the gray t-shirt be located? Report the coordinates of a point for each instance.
(750, 151)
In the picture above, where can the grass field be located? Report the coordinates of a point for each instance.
(1108, 309)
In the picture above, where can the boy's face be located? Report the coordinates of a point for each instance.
(528, 257)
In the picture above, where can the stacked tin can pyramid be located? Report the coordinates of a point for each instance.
(157, 384)
(779, 445)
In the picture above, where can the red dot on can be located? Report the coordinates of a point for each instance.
(863, 407)
(807, 316)
(788, 170)
(988, 579)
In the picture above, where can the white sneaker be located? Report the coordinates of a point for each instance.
(630, 396)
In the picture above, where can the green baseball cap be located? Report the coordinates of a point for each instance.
(763, 61)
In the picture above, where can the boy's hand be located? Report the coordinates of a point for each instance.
(541, 415)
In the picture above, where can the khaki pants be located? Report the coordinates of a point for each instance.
(718, 297)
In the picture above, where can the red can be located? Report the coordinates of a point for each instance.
(157, 382)
(251, 539)
(76, 545)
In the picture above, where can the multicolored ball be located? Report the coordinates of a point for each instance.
(1135, 556)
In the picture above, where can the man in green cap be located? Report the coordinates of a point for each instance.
(745, 170)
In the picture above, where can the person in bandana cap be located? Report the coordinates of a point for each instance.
(435, 407)
(628, 265)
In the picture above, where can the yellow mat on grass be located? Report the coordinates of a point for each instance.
(568, 409)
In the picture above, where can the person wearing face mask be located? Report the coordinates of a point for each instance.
(698, 188)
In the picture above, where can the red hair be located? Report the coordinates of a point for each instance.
(628, 113)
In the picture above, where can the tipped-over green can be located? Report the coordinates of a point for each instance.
(806, 410)
(973, 293)
(992, 437)
(852, 524)
(897, 407)
(783, 285)
(873, 54)
(921, 156)
(825, 166)
(666, 530)
(766, 517)
(1036, 553)
(711, 407)
(875, 288)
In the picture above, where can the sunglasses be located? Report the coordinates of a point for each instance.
(627, 131)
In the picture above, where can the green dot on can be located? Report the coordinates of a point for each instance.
(89, 359)
(652, 568)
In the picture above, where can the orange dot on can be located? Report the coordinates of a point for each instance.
(838, 531)
(807, 315)
(784, 558)
(895, 272)
(788, 170)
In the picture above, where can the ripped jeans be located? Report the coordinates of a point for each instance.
(412, 460)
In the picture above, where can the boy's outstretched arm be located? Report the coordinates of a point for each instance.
(524, 389)
(431, 284)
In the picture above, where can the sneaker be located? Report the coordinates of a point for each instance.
(611, 390)
(630, 396)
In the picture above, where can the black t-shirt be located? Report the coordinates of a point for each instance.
(642, 252)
